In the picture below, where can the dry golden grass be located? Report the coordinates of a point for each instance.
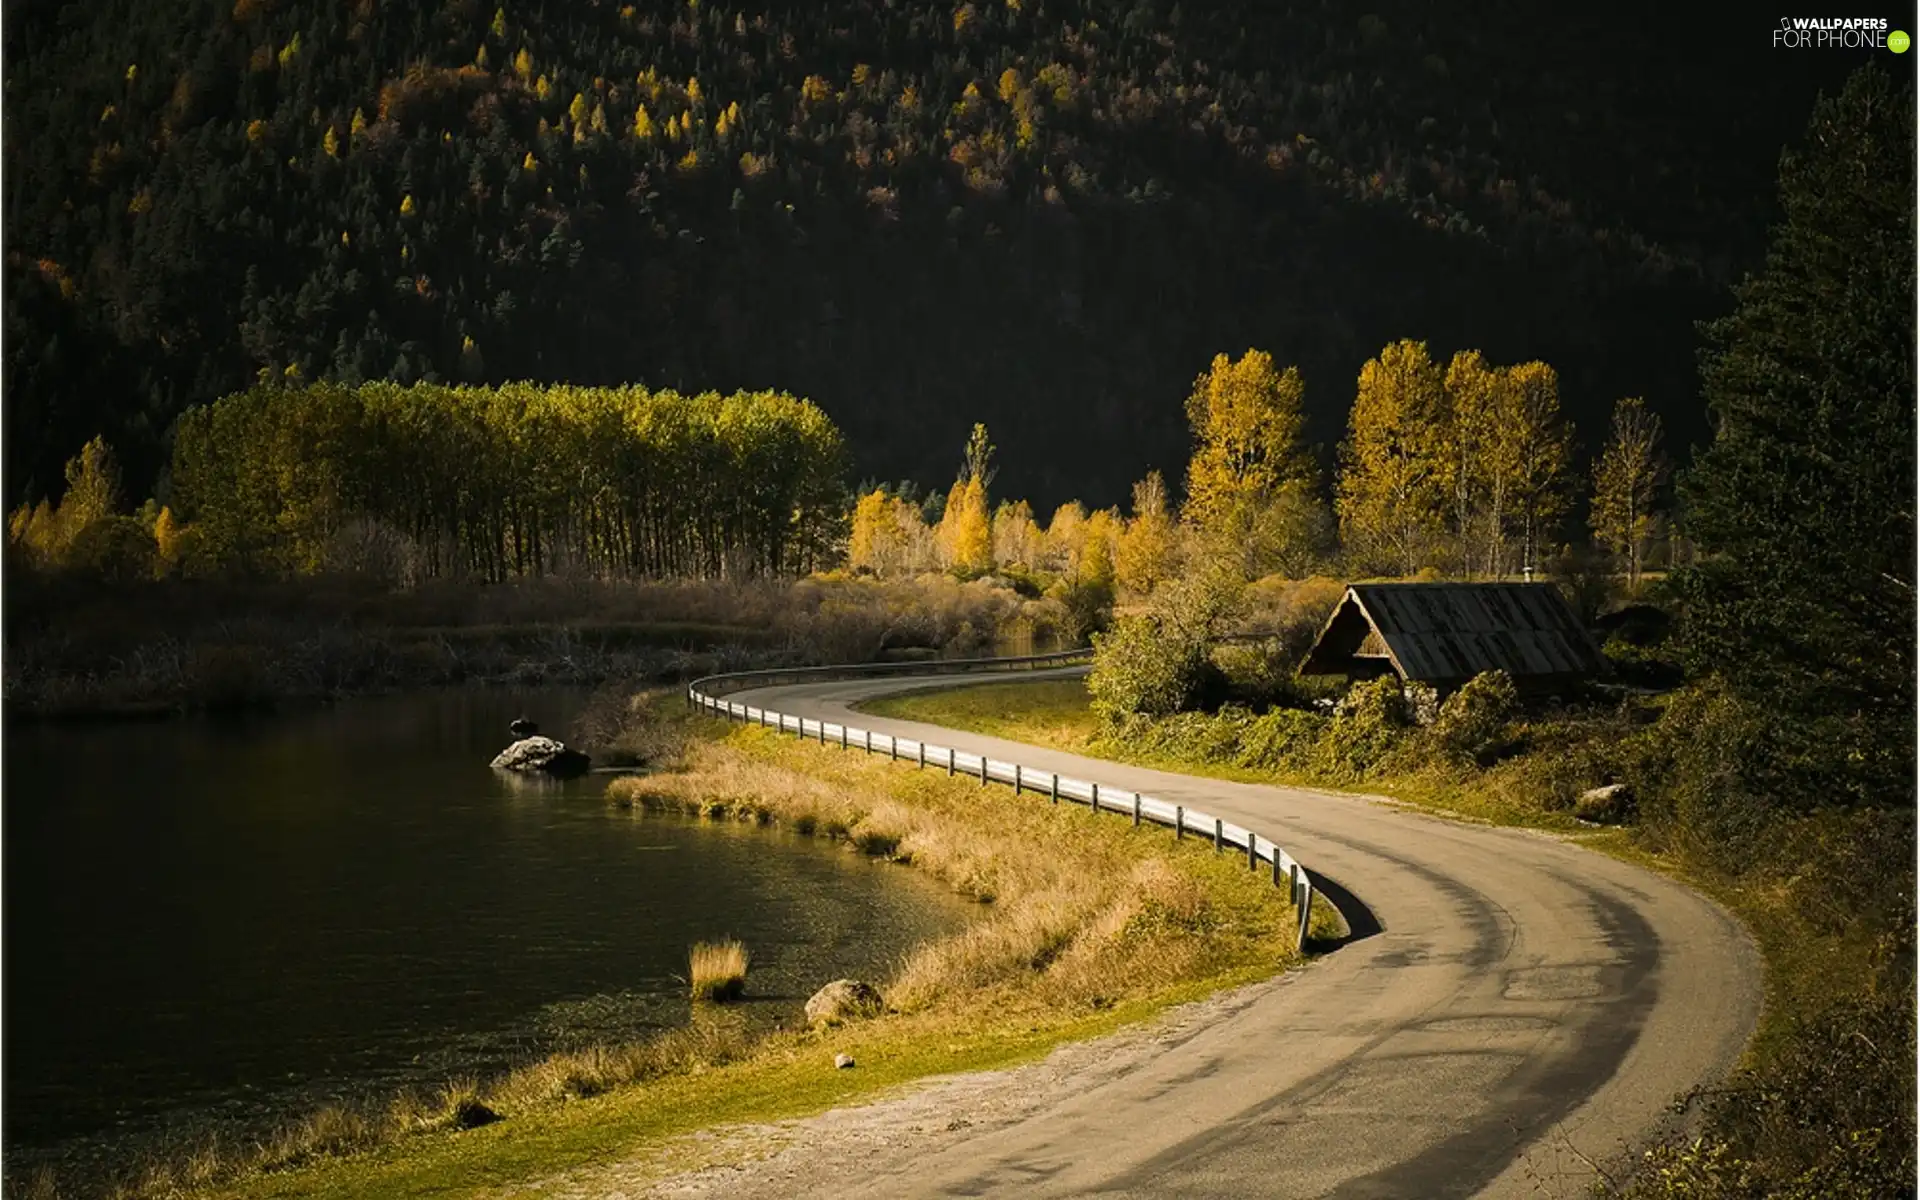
(718, 971)
(1079, 913)
(1084, 910)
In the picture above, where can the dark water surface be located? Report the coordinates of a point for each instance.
(209, 922)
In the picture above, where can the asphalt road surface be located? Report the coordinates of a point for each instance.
(1512, 1016)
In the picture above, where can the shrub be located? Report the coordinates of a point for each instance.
(1281, 739)
(1472, 723)
(1142, 667)
(116, 549)
(1368, 726)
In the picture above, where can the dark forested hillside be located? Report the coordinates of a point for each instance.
(1044, 214)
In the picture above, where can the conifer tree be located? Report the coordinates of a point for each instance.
(1803, 505)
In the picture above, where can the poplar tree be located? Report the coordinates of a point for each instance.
(1392, 496)
(1537, 454)
(1145, 554)
(1626, 485)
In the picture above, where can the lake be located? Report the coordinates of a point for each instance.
(211, 922)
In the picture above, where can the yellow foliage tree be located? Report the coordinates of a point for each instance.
(1478, 400)
(1251, 486)
(1248, 421)
(1626, 485)
(873, 542)
(1392, 496)
(1538, 452)
(1144, 556)
(1066, 536)
(1016, 539)
(1096, 565)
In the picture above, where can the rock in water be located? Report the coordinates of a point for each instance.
(843, 1000)
(542, 754)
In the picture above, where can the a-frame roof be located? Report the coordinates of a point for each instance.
(1454, 631)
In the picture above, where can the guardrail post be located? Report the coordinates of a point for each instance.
(1276, 866)
(893, 748)
(1219, 833)
(949, 762)
(983, 770)
(823, 730)
(1293, 882)
(1016, 779)
(1136, 810)
(920, 755)
(843, 735)
(1253, 860)
(1306, 912)
(1053, 786)
(1094, 803)
(1179, 822)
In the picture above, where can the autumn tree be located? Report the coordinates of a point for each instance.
(1065, 537)
(1538, 451)
(1251, 486)
(1392, 495)
(1626, 483)
(966, 527)
(1096, 565)
(874, 542)
(1016, 539)
(1144, 556)
(1247, 422)
(1478, 399)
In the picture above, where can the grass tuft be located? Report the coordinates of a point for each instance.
(719, 971)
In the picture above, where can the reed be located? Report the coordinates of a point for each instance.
(718, 971)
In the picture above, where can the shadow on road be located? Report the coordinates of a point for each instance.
(1358, 918)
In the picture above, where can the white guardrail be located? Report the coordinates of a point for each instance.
(706, 694)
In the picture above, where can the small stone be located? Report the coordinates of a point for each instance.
(843, 1061)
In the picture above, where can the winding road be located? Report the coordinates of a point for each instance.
(1512, 1016)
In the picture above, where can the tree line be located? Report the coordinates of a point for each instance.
(1465, 469)
(430, 481)
(213, 192)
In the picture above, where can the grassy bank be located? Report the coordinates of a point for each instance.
(1085, 924)
(1824, 1104)
(81, 647)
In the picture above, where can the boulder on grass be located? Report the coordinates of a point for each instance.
(1607, 805)
(843, 1000)
(543, 755)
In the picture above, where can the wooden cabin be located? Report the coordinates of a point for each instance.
(1443, 634)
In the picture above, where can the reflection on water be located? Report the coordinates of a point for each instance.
(209, 920)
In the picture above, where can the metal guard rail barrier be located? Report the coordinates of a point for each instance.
(705, 694)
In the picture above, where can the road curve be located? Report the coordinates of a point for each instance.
(1513, 1016)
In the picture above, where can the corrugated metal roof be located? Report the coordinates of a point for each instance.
(1454, 631)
